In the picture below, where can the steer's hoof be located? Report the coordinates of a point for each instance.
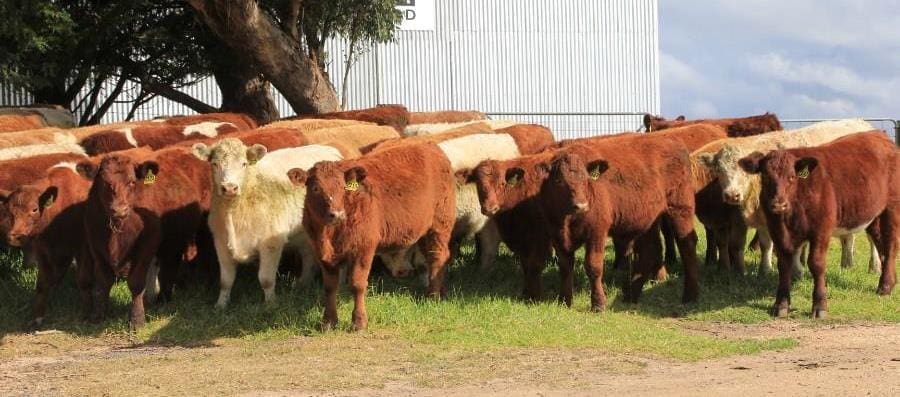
(327, 325)
(884, 290)
(780, 312)
(358, 326)
(819, 314)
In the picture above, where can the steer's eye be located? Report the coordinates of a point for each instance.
(315, 188)
(131, 183)
(34, 211)
(244, 165)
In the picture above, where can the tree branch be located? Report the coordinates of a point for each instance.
(178, 96)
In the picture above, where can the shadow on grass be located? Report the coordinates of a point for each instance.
(191, 319)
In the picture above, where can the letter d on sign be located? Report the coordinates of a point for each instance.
(409, 15)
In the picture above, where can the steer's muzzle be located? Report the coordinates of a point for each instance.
(229, 189)
(732, 198)
(779, 206)
(16, 239)
(580, 208)
(336, 216)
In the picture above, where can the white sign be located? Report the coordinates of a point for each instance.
(417, 14)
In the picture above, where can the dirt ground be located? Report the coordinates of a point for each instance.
(861, 359)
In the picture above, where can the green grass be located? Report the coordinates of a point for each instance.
(482, 312)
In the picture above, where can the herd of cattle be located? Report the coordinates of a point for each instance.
(144, 201)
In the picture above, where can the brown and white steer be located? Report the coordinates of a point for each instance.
(45, 220)
(387, 200)
(811, 194)
(156, 136)
(465, 151)
(394, 116)
(140, 207)
(730, 186)
(735, 127)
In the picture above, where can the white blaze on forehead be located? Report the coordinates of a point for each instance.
(207, 128)
(129, 135)
(467, 151)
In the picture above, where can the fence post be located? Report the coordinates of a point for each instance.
(897, 132)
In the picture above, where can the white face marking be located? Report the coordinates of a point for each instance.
(207, 129)
(129, 136)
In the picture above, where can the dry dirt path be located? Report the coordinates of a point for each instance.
(851, 360)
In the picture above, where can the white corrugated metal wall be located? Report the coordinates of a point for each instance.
(499, 56)
(513, 56)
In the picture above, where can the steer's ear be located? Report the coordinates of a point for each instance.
(542, 170)
(751, 163)
(679, 118)
(297, 176)
(201, 151)
(48, 197)
(596, 168)
(805, 166)
(147, 172)
(4, 196)
(86, 169)
(353, 177)
(514, 176)
(464, 176)
(256, 152)
(707, 160)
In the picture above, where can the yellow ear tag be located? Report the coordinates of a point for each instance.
(804, 173)
(150, 178)
(595, 173)
(49, 202)
(351, 186)
(513, 181)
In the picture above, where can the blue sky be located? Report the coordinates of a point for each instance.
(797, 58)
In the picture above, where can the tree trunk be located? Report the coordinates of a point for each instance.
(244, 90)
(247, 30)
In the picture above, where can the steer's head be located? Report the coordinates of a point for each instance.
(329, 186)
(229, 160)
(782, 173)
(502, 185)
(735, 182)
(571, 174)
(116, 185)
(25, 207)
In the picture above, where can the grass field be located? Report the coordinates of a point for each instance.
(483, 316)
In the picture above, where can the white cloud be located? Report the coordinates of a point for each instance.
(836, 78)
(804, 106)
(798, 58)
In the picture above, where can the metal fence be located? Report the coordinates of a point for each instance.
(567, 125)
(889, 125)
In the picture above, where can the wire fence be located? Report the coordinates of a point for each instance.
(578, 124)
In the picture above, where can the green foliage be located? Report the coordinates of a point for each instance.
(32, 30)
